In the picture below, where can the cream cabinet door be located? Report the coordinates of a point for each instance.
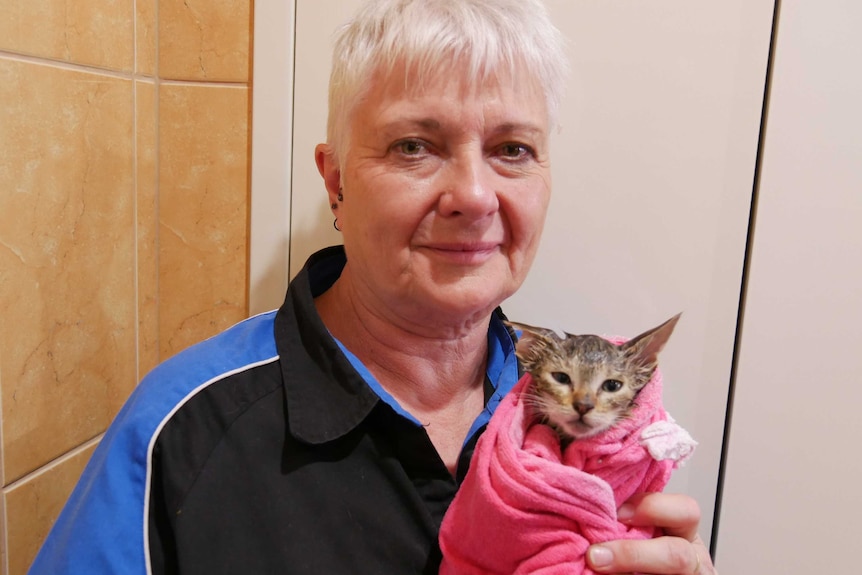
(792, 499)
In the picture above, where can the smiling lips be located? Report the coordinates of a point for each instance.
(468, 253)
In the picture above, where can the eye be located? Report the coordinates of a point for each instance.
(611, 385)
(515, 151)
(410, 147)
(561, 377)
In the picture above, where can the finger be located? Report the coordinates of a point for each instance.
(704, 561)
(660, 556)
(677, 515)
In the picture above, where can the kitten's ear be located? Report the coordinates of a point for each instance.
(644, 349)
(533, 342)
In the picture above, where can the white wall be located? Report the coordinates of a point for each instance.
(653, 175)
(272, 129)
(792, 497)
(312, 221)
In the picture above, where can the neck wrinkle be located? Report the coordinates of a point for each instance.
(423, 372)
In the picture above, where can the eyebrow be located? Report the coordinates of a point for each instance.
(519, 128)
(434, 125)
(423, 123)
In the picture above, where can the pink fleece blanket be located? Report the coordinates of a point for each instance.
(527, 507)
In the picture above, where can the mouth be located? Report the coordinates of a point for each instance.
(470, 253)
(579, 428)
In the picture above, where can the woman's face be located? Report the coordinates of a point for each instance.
(445, 192)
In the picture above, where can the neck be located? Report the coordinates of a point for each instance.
(436, 372)
(414, 360)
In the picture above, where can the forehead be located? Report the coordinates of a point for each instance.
(511, 93)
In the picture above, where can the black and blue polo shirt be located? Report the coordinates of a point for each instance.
(268, 448)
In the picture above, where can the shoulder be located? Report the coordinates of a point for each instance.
(171, 384)
(240, 347)
(212, 379)
(104, 521)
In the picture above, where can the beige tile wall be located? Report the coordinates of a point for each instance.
(124, 156)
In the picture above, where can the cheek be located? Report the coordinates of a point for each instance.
(558, 396)
(525, 224)
(526, 216)
(617, 404)
(386, 210)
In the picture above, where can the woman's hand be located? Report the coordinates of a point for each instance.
(680, 551)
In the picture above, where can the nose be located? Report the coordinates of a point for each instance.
(467, 187)
(584, 406)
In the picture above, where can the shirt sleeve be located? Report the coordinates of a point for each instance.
(104, 526)
(101, 529)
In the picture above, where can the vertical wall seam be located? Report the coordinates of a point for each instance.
(746, 268)
(249, 86)
(292, 140)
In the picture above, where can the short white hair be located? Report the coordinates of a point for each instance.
(490, 36)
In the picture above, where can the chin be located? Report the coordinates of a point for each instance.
(476, 290)
(463, 312)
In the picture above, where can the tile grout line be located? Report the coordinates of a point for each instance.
(167, 82)
(4, 568)
(52, 464)
(4, 527)
(136, 192)
(119, 74)
(157, 183)
(43, 61)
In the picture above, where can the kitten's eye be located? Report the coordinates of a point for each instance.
(561, 377)
(611, 385)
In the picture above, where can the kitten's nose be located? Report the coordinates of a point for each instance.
(584, 406)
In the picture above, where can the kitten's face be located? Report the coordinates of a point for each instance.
(583, 384)
(585, 389)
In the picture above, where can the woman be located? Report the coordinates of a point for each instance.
(331, 436)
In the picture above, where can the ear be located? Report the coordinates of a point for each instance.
(644, 349)
(533, 343)
(327, 165)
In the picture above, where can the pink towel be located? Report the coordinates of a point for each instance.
(525, 507)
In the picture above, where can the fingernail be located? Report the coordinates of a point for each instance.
(600, 556)
(626, 512)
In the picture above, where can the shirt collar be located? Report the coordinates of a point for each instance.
(326, 397)
(327, 392)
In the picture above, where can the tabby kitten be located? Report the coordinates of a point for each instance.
(584, 384)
